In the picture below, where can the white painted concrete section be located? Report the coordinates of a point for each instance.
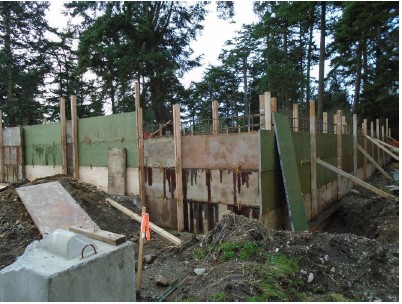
(53, 270)
(34, 172)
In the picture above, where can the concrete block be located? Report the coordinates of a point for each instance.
(53, 270)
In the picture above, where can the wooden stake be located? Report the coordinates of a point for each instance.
(325, 122)
(343, 124)
(355, 179)
(140, 144)
(63, 131)
(386, 129)
(1, 149)
(377, 132)
(382, 148)
(355, 144)
(74, 136)
(296, 117)
(274, 104)
(373, 162)
(215, 117)
(262, 111)
(313, 158)
(179, 180)
(364, 127)
(140, 258)
(373, 153)
(267, 106)
(335, 123)
(163, 233)
(339, 148)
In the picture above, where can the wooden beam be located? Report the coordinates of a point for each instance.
(1, 148)
(262, 111)
(74, 137)
(313, 159)
(179, 172)
(339, 148)
(335, 123)
(274, 107)
(386, 129)
(377, 135)
(140, 143)
(163, 233)
(63, 131)
(393, 149)
(364, 152)
(100, 235)
(267, 106)
(215, 117)
(382, 148)
(373, 153)
(355, 179)
(325, 122)
(355, 144)
(295, 117)
(140, 255)
(364, 127)
(343, 124)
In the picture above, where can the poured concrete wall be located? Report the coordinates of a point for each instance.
(53, 270)
(13, 155)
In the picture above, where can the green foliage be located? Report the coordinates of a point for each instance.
(243, 250)
(199, 253)
(336, 297)
(219, 297)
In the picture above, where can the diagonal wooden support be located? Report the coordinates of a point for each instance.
(381, 147)
(373, 162)
(392, 148)
(355, 179)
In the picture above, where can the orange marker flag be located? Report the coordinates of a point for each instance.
(145, 232)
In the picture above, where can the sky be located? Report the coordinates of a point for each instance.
(216, 31)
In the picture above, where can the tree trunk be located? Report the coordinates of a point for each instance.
(246, 106)
(285, 50)
(309, 55)
(9, 66)
(358, 77)
(321, 63)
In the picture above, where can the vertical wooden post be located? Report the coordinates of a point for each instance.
(339, 148)
(267, 106)
(325, 122)
(296, 117)
(179, 180)
(140, 254)
(377, 131)
(386, 129)
(335, 123)
(355, 145)
(160, 129)
(372, 136)
(63, 131)
(2, 149)
(262, 111)
(274, 107)
(74, 137)
(140, 143)
(343, 124)
(365, 148)
(215, 117)
(313, 159)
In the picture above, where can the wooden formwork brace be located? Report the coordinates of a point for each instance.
(364, 152)
(355, 179)
(382, 147)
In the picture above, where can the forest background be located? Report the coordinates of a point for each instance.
(118, 43)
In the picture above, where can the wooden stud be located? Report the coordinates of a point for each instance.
(100, 235)
(215, 117)
(140, 257)
(274, 107)
(355, 179)
(262, 111)
(339, 148)
(379, 146)
(377, 135)
(335, 123)
(160, 129)
(372, 135)
(325, 122)
(63, 131)
(313, 159)
(343, 118)
(295, 117)
(391, 147)
(179, 173)
(366, 155)
(383, 139)
(365, 174)
(1, 149)
(386, 129)
(74, 136)
(140, 143)
(268, 116)
(355, 144)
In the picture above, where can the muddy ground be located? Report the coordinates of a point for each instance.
(355, 259)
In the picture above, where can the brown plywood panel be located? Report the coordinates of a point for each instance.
(162, 211)
(117, 171)
(222, 151)
(52, 207)
(12, 136)
(158, 152)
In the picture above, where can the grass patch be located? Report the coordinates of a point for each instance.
(219, 297)
(336, 297)
(199, 253)
(243, 250)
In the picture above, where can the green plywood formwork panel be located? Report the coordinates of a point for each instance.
(290, 174)
(96, 135)
(270, 189)
(42, 144)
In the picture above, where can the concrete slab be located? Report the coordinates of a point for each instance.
(53, 270)
(52, 207)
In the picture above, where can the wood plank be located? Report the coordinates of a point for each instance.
(215, 117)
(355, 144)
(294, 197)
(339, 148)
(262, 111)
(117, 171)
(325, 122)
(313, 160)
(163, 233)
(51, 207)
(140, 142)
(295, 115)
(393, 149)
(382, 148)
(364, 127)
(140, 256)
(179, 172)
(63, 132)
(100, 235)
(364, 152)
(377, 135)
(74, 136)
(267, 106)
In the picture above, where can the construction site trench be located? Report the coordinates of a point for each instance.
(356, 258)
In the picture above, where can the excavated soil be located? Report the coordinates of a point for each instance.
(356, 259)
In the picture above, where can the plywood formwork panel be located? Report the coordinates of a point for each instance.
(159, 152)
(222, 151)
(117, 171)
